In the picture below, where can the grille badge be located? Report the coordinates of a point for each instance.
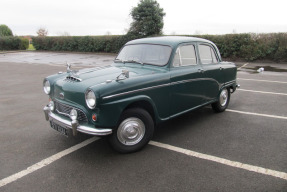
(62, 95)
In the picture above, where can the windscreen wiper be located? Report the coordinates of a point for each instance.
(128, 61)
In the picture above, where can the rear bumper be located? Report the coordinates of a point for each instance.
(74, 124)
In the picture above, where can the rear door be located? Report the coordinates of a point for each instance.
(187, 89)
(213, 70)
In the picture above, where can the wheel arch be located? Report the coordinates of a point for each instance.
(146, 105)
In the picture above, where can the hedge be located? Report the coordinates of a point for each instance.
(109, 44)
(249, 47)
(13, 43)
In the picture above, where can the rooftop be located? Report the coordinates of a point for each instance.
(168, 40)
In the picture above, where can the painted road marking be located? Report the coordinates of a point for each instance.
(45, 162)
(257, 114)
(274, 93)
(243, 65)
(262, 80)
(223, 161)
(61, 154)
(251, 113)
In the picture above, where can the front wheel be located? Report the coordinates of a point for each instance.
(134, 131)
(222, 102)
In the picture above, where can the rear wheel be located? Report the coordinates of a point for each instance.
(134, 131)
(222, 102)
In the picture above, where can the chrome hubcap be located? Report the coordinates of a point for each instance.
(223, 97)
(131, 131)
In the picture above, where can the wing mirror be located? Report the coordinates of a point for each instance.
(124, 75)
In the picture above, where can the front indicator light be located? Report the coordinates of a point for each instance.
(94, 117)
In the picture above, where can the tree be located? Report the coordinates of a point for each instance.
(5, 31)
(42, 32)
(147, 18)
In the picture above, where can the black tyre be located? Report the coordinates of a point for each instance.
(135, 129)
(222, 102)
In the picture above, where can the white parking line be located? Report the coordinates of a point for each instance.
(243, 65)
(262, 80)
(65, 152)
(45, 162)
(264, 171)
(257, 114)
(273, 93)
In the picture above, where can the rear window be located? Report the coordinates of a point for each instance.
(207, 55)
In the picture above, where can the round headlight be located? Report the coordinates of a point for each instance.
(90, 99)
(47, 87)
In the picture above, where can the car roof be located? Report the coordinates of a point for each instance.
(172, 41)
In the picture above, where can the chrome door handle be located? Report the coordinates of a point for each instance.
(200, 70)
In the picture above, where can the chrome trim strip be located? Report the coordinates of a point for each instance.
(81, 128)
(137, 90)
(190, 80)
(157, 86)
(188, 110)
(92, 70)
(233, 81)
(61, 113)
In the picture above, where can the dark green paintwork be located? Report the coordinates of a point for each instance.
(170, 91)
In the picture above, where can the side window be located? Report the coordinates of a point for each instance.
(185, 55)
(207, 55)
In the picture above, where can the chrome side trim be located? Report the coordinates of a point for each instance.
(190, 80)
(157, 86)
(75, 126)
(137, 90)
(229, 82)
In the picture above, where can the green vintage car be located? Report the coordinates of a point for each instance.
(150, 81)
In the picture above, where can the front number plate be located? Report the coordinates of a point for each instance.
(59, 128)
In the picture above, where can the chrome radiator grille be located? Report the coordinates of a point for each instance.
(66, 109)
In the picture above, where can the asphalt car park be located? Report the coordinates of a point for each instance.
(242, 149)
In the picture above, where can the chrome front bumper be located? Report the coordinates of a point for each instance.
(74, 125)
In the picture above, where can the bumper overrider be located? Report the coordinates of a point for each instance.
(74, 124)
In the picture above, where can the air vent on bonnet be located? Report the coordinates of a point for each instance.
(72, 78)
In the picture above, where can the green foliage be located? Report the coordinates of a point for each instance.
(5, 31)
(31, 47)
(109, 44)
(147, 18)
(9, 43)
(13, 43)
(24, 44)
(249, 47)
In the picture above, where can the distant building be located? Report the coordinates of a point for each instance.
(29, 37)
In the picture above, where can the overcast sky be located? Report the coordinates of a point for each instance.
(99, 17)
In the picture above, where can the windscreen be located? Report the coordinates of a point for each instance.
(145, 54)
